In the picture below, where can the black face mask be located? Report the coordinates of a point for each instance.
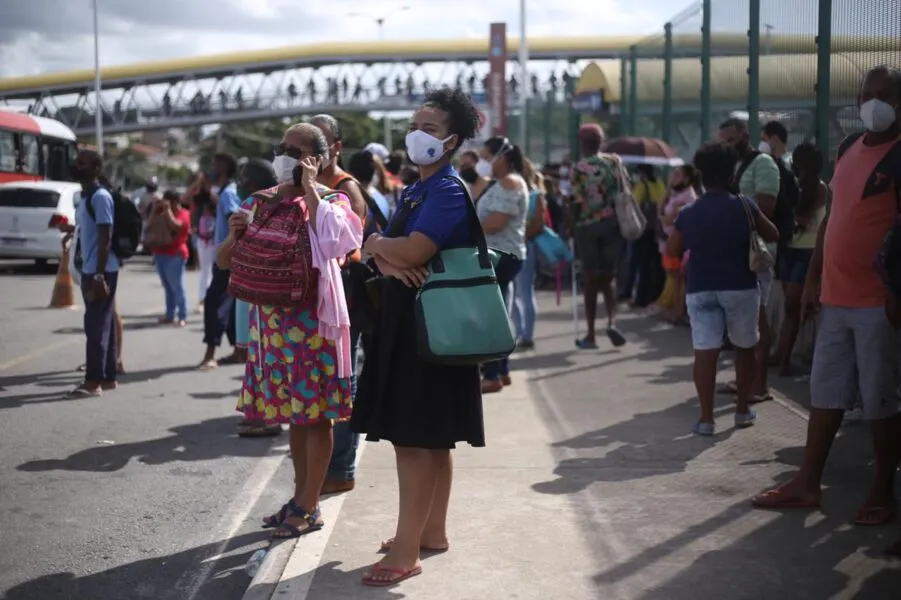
(680, 186)
(469, 175)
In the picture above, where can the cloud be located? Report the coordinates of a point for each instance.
(40, 36)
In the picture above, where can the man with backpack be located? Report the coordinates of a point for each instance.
(759, 178)
(99, 266)
(218, 305)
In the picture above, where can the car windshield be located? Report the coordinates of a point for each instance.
(28, 198)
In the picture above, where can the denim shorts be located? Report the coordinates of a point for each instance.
(793, 264)
(718, 313)
(856, 353)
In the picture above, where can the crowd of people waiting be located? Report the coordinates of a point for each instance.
(718, 234)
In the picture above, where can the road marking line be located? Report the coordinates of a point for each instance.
(41, 352)
(74, 339)
(262, 474)
(297, 578)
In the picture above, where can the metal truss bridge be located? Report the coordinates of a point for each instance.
(299, 80)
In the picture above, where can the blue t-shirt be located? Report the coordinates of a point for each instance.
(229, 202)
(716, 231)
(442, 214)
(102, 203)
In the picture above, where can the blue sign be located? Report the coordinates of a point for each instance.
(589, 102)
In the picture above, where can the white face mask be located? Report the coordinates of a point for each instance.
(423, 148)
(284, 168)
(376, 180)
(483, 168)
(564, 172)
(214, 189)
(877, 116)
(765, 148)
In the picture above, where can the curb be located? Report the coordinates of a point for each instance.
(263, 584)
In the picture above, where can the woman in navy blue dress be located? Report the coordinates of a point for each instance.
(422, 408)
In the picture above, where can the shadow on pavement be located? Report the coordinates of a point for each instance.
(154, 578)
(206, 440)
(644, 446)
(696, 535)
(786, 558)
(331, 582)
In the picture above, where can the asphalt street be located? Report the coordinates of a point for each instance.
(145, 492)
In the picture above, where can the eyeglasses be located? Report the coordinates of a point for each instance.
(292, 151)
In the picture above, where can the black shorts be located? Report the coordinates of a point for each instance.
(598, 244)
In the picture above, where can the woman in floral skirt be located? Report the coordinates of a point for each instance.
(298, 364)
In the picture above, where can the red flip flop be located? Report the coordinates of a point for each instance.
(777, 499)
(372, 579)
(874, 516)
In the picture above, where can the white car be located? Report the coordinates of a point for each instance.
(29, 214)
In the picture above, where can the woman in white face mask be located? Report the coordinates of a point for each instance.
(503, 212)
(422, 408)
(283, 253)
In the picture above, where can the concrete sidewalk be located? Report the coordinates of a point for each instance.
(592, 486)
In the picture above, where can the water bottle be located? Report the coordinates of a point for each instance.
(253, 564)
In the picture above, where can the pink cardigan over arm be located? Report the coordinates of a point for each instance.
(338, 232)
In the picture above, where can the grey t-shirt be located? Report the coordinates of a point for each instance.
(515, 202)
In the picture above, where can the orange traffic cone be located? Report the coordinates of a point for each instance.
(63, 288)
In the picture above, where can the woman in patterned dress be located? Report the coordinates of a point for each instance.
(298, 363)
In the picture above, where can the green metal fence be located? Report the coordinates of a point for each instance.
(799, 62)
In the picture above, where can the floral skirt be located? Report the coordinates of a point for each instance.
(291, 375)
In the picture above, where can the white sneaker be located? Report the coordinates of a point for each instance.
(854, 415)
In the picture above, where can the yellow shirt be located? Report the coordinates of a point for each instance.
(657, 189)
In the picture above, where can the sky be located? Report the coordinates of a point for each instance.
(41, 36)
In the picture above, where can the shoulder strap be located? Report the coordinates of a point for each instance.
(893, 158)
(745, 164)
(846, 144)
(380, 219)
(747, 208)
(477, 234)
(89, 203)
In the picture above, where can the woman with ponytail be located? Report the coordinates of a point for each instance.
(502, 210)
(525, 305)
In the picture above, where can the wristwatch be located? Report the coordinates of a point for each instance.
(99, 277)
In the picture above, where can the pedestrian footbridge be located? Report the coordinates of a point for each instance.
(392, 76)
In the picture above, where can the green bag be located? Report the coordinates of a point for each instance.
(461, 317)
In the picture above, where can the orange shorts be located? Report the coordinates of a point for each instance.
(671, 263)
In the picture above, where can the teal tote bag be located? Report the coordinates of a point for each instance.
(461, 318)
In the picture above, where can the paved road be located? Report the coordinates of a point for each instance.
(143, 493)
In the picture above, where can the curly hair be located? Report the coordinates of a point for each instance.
(716, 162)
(462, 114)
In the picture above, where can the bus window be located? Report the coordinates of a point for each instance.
(58, 157)
(28, 145)
(8, 157)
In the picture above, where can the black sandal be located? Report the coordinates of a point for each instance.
(273, 521)
(312, 520)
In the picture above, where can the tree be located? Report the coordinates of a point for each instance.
(256, 139)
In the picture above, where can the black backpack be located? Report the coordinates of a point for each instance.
(786, 201)
(888, 261)
(127, 224)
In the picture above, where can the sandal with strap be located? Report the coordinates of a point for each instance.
(312, 522)
(273, 521)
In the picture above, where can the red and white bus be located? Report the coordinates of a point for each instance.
(34, 148)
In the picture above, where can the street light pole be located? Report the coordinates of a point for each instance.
(98, 112)
(523, 77)
(380, 24)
